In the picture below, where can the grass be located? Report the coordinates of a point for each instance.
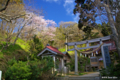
(63, 50)
(79, 74)
(24, 45)
(1, 55)
(11, 49)
(82, 73)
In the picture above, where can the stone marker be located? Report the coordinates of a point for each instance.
(0, 75)
(107, 56)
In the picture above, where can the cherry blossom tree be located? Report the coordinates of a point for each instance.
(45, 29)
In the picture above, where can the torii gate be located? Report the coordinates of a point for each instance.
(100, 40)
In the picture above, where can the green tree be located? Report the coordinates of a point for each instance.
(38, 44)
(88, 14)
(36, 47)
(105, 29)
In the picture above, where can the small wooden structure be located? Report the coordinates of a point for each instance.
(67, 57)
(94, 62)
(56, 55)
(87, 42)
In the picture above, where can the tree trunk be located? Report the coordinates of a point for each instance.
(113, 28)
(118, 26)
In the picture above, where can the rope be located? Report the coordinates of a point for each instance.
(89, 51)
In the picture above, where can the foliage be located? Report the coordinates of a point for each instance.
(35, 47)
(38, 44)
(89, 10)
(82, 73)
(19, 71)
(82, 62)
(12, 53)
(49, 64)
(20, 61)
(105, 29)
(40, 68)
(87, 14)
(112, 70)
(62, 49)
(23, 44)
(72, 64)
(11, 62)
(1, 55)
(35, 69)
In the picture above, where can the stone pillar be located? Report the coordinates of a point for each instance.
(103, 56)
(54, 62)
(62, 66)
(92, 54)
(76, 61)
(87, 46)
(0, 75)
(85, 55)
(80, 54)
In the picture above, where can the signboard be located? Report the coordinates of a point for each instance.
(94, 61)
(0, 75)
(107, 56)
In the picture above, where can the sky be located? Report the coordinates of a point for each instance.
(57, 10)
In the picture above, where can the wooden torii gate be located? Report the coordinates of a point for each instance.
(100, 40)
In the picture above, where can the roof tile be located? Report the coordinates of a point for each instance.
(55, 50)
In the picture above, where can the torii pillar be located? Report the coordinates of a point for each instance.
(76, 61)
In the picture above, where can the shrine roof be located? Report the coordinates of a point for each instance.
(51, 49)
(55, 50)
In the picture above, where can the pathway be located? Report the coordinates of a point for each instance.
(88, 76)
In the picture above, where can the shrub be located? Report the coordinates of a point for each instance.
(41, 68)
(19, 71)
(112, 70)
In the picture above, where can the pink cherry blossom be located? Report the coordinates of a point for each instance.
(42, 26)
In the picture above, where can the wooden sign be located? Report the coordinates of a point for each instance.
(94, 61)
(107, 56)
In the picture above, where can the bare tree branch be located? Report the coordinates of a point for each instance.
(21, 31)
(10, 18)
(7, 2)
